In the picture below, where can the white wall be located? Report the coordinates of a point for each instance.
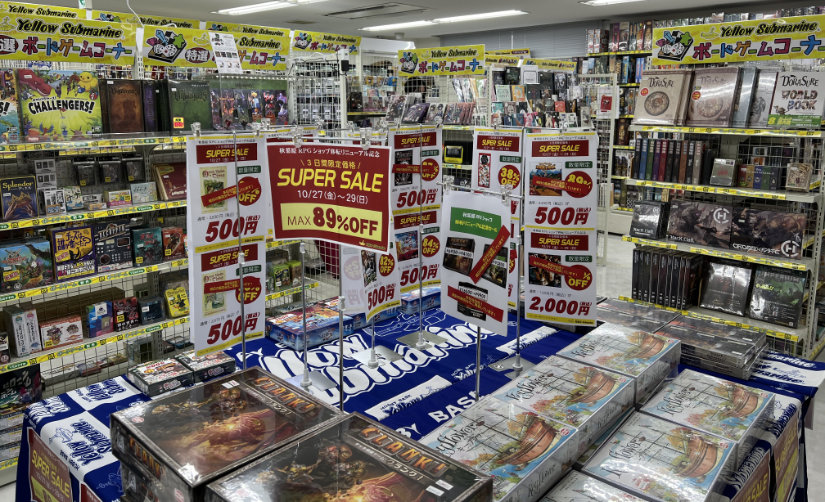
(555, 41)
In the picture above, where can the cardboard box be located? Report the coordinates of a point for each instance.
(74, 253)
(157, 377)
(208, 367)
(115, 198)
(322, 326)
(59, 332)
(174, 243)
(432, 299)
(113, 246)
(26, 265)
(23, 329)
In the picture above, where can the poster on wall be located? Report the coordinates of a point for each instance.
(476, 240)
(416, 171)
(331, 192)
(561, 197)
(227, 217)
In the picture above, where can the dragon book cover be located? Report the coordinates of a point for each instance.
(523, 452)
(124, 106)
(353, 459)
(74, 252)
(59, 105)
(181, 442)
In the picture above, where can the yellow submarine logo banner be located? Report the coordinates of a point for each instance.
(313, 41)
(26, 37)
(148, 21)
(35, 10)
(453, 61)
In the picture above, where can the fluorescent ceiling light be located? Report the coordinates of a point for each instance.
(601, 3)
(457, 19)
(475, 17)
(397, 26)
(261, 7)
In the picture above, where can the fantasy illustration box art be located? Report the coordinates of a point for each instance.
(183, 441)
(353, 459)
(18, 196)
(9, 113)
(700, 223)
(59, 105)
(26, 265)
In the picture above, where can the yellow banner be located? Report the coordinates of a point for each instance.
(248, 29)
(799, 37)
(165, 46)
(312, 41)
(63, 40)
(263, 51)
(509, 52)
(122, 17)
(453, 61)
(501, 60)
(551, 64)
(30, 9)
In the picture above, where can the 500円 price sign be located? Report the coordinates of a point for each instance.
(330, 192)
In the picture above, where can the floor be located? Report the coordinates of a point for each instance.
(615, 283)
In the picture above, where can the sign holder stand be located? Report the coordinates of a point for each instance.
(310, 378)
(241, 261)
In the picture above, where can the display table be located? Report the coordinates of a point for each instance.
(66, 452)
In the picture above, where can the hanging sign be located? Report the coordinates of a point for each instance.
(525, 53)
(36, 11)
(263, 51)
(313, 41)
(560, 221)
(502, 60)
(476, 240)
(416, 204)
(148, 21)
(451, 61)
(248, 29)
(331, 192)
(227, 203)
(799, 37)
(63, 40)
(226, 52)
(551, 64)
(497, 160)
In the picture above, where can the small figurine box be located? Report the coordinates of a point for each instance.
(322, 327)
(74, 253)
(59, 332)
(646, 357)
(181, 442)
(100, 319)
(726, 409)
(115, 198)
(659, 460)
(157, 377)
(144, 192)
(524, 453)
(126, 313)
(208, 367)
(578, 487)
(113, 246)
(18, 196)
(26, 265)
(353, 459)
(148, 246)
(582, 396)
(432, 299)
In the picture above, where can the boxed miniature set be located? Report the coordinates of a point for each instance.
(182, 442)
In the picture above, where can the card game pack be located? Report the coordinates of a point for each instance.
(148, 246)
(59, 105)
(74, 252)
(18, 196)
(26, 265)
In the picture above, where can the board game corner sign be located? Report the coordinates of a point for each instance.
(798, 37)
(454, 61)
(314, 41)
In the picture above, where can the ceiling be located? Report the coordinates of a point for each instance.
(540, 12)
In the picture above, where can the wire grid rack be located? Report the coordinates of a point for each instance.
(320, 273)
(445, 89)
(318, 94)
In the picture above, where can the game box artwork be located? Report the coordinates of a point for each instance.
(148, 246)
(9, 113)
(207, 367)
(700, 223)
(578, 487)
(189, 102)
(123, 110)
(354, 459)
(26, 265)
(772, 233)
(19, 197)
(74, 252)
(156, 377)
(321, 322)
(113, 245)
(59, 105)
(183, 441)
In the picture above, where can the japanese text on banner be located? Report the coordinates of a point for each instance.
(34, 10)
(560, 220)
(454, 61)
(313, 41)
(798, 37)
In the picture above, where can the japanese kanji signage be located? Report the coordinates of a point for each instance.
(267, 50)
(148, 21)
(525, 53)
(313, 41)
(551, 64)
(798, 37)
(32, 38)
(453, 61)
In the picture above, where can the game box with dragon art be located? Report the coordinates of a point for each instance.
(353, 459)
(181, 442)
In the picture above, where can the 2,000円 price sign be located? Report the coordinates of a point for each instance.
(331, 192)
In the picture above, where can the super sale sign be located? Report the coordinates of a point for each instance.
(416, 204)
(228, 220)
(561, 197)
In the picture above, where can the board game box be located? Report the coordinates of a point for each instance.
(113, 245)
(150, 91)
(523, 452)
(100, 319)
(123, 110)
(174, 243)
(26, 265)
(700, 223)
(353, 458)
(151, 310)
(615, 317)
(23, 328)
(726, 287)
(711, 348)
(649, 219)
(59, 105)
(729, 410)
(662, 97)
(183, 441)
(171, 180)
(636, 310)
(19, 197)
(772, 233)
(207, 367)
(762, 98)
(74, 252)
(757, 338)
(148, 246)
(189, 102)
(578, 487)
(157, 377)
(9, 111)
(777, 296)
(410, 303)
(126, 313)
(712, 96)
(582, 396)
(659, 460)
(144, 192)
(798, 100)
(747, 90)
(322, 326)
(646, 357)
(59, 332)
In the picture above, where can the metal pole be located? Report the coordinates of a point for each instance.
(421, 344)
(305, 382)
(373, 362)
(518, 367)
(241, 261)
(478, 363)
(341, 306)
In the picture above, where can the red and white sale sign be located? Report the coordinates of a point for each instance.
(331, 192)
(227, 198)
(416, 204)
(561, 198)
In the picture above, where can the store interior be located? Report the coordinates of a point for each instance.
(345, 250)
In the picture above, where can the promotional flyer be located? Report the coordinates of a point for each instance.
(476, 242)
(331, 192)
(416, 171)
(560, 228)
(227, 204)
